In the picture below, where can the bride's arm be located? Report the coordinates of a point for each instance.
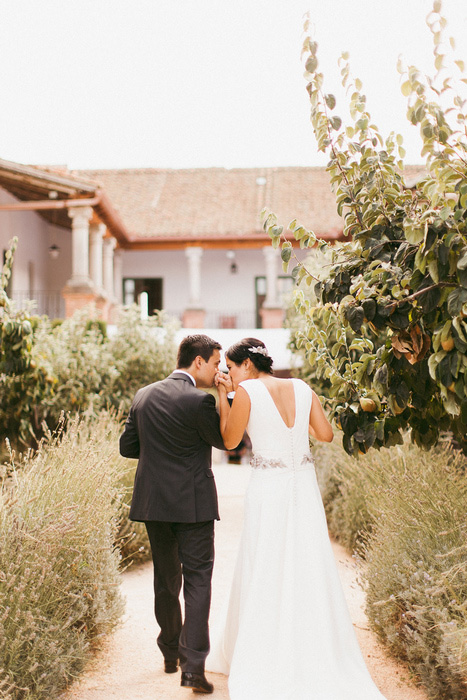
(234, 419)
(319, 427)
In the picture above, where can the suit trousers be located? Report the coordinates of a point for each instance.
(183, 552)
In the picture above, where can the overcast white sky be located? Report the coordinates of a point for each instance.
(197, 83)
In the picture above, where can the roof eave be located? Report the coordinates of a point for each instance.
(31, 172)
(248, 240)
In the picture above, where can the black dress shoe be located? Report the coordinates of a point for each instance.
(197, 681)
(171, 666)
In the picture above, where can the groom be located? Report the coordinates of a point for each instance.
(171, 428)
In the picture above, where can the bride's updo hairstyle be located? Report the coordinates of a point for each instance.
(251, 349)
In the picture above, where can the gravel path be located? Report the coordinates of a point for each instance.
(129, 664)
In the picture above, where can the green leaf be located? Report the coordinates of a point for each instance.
(355, 316)
(336, 123)
(295, 271)
(311, 64)
(428, 131)
(330, 101)
(380, 380)
(276, 231)
(276, 242)
(406, 88)
(444, 371)
(455, 301)
(293, 225)
(286, 253)
(430, 300)
(433, 270)
(439, 61)
(414, 234)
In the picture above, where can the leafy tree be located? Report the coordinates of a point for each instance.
(390, 328)
(26, 384)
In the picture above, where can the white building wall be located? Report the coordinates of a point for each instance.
(58, 270)
(31, 232)
(33, 266)
(220, 289)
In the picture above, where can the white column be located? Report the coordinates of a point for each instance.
(271, 257)
(96, 235)
(118, 275)
(108, 266)
(194, 255)
(80, 217)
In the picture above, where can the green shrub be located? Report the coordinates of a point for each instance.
(347, 485)
(132, 539)
(417, 570)
(97, 324)
(403, 509)
(80, 363)
(74, 366)
(24, 386)
(59, 581)
(143, 352)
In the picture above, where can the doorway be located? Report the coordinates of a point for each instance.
(133, 288)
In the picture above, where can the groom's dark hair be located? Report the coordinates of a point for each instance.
(194, 345)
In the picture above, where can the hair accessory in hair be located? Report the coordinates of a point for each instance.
(259, 350)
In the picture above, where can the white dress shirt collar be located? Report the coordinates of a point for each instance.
(182, 371)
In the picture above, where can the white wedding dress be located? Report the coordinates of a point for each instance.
(288, 633)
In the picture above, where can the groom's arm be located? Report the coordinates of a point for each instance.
(208, 423)
(129, 440)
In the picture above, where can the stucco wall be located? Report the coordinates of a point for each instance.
(59, 270)
(220, 289)
(32, 260)
(31, 231)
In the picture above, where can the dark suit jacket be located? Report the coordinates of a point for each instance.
(170, 429)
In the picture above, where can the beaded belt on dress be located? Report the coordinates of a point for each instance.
(259, 462)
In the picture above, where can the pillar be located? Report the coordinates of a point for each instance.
(96, 235)
(272, 313)
(108, 266)
(194, 315)
(118, 275)
(79, 290)
(80, 217)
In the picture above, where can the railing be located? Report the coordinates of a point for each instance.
(50, 304)
(230, 319)
(223, 319)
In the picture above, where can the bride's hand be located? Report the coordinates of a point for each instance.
(224, 382)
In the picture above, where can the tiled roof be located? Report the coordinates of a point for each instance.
(215, 202)
(210, 203)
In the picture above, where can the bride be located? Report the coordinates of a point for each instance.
(288, 633)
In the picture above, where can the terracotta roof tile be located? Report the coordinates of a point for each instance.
(216, 202)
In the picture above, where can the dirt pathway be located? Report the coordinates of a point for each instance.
(129, 665)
